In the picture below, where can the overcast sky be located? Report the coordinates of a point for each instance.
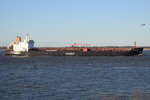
(64, 22)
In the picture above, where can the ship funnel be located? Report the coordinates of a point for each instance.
(18, 39)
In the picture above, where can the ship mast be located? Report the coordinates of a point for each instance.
(27, 37)
(135, 45)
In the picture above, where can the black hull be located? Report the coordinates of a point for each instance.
(132, 52)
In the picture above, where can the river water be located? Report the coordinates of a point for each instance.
(72, 78)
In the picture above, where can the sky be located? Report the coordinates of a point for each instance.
(64, 22)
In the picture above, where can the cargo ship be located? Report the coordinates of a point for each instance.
(26, 48)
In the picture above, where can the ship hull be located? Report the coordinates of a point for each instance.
(132, 52)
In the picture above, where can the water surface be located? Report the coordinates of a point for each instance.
(71, 78)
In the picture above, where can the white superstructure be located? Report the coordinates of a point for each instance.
(25, 45)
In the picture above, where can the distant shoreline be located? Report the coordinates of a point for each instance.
(3, 48)
(145, 48)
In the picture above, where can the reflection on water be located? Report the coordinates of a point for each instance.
(72, 78)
